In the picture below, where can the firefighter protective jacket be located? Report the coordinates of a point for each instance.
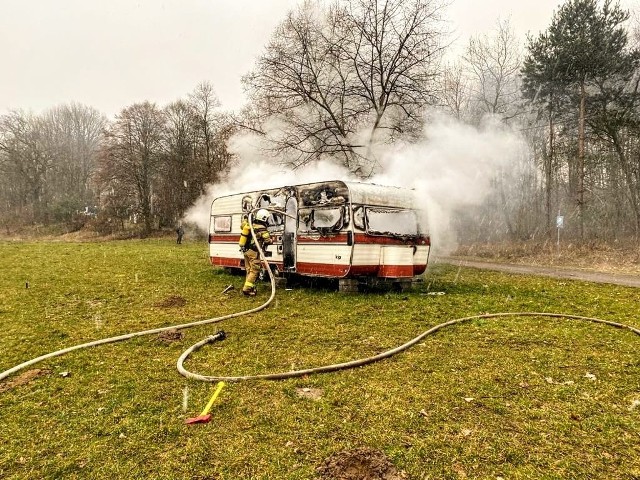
(247, 241)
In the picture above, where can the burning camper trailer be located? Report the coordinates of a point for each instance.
(355, 232)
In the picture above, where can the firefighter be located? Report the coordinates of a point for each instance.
(180, 233)
(249, 248)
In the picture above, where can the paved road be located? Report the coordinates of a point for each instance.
(556, 272)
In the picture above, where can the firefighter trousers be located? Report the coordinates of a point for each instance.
(252, 265)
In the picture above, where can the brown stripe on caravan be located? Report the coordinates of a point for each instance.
(220, 237)
(322, 269)
(379, 240)
(225, 262)
(395, 271)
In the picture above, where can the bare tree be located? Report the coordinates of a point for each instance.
(301, 79)
(396, 59)
(454, 91)
(73, 133)
(204, 102)
(616, 121)
(25, 164)
(47, 161)
(494, 62)
(181, 172)
(131, 156)
(342, 78)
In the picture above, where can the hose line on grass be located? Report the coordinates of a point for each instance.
(296, 373)
(128, 336)
(362, 361)
(375, 358)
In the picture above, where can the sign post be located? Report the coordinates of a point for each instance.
(559, 225)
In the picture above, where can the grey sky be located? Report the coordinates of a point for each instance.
(109, 54)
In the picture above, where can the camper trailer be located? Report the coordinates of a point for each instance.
(358, 233)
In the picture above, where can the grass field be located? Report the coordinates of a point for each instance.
(521, 397)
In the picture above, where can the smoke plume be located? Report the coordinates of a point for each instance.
(450, 168)
(256, 171)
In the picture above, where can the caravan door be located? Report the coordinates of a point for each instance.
(289, 237)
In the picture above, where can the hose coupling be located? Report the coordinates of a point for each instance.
(219, 335)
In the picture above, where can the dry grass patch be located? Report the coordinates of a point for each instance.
(618, 258)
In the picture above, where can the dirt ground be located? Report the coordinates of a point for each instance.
(618, 264)
(359, 464)
(555, 272)
(23, 379)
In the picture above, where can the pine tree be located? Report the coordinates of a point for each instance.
(583, 45)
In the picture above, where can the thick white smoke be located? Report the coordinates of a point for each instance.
(450, 168)
(255, 171)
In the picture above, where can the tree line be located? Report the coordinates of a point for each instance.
(336, 80)
(139, 171)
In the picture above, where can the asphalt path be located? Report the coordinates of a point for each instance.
(555, 272)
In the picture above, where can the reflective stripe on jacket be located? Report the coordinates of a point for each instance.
(261, 232)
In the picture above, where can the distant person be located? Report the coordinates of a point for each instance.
(180, 232)
(249, 248)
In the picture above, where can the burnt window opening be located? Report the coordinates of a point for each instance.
(390, 221)
(264, 201)
(247, 203)
(275, 200)
(306, 219)
(222, 224)
(275, 221)
(326, 194)
(322, 220)
(359, 218)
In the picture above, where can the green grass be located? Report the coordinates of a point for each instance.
(513, 397)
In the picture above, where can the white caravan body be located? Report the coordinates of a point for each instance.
(331, 229)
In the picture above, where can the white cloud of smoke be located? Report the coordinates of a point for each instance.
(450, 168)
(256, 171)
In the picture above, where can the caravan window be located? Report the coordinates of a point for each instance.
(358, 218)
(247, 203)
(275, 221)
(323, 220)
(327, 218)
(387, 221)
(222, 223)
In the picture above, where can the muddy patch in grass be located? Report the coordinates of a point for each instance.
(359, 464)
(172, 335)
(23, 378)
(172, 301)
(310, 393)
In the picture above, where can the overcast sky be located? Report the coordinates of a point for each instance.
(109, 54)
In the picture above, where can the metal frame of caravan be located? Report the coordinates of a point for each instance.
(344, 230)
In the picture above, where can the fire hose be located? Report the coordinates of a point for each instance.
(368, 360)
(120, 338)
(362, 361)
(295, 373)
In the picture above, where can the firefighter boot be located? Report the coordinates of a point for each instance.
(250, 292)
(249, 289)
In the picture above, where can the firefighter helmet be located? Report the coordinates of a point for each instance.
(261, 215)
